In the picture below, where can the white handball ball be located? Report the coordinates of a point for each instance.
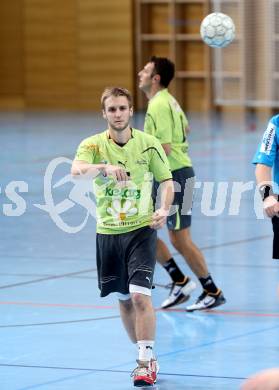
(217, 30)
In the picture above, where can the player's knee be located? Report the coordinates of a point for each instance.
(126, 305)
(140, 301)
(180, 241)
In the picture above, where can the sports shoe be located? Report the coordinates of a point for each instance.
(207, 301)
(145, 375)
(179, 293)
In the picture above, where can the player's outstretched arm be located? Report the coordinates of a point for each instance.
(87, 170)
(80, 168)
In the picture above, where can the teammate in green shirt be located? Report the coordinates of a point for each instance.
(168, 123)
(122, 162)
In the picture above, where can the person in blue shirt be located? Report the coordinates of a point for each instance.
(266, 160)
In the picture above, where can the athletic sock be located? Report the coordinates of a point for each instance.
(145, 350)
(208, 284)
(174, 271)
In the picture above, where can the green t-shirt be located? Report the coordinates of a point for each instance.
(167, 122)
(123, 209)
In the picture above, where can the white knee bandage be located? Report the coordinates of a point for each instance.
(138, 289)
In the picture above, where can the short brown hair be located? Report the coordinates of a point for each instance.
(116, 91)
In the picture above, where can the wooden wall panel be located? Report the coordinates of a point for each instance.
(62, 54)
(105, 55)
(194, 95)
(155, 19)
(150, 48)
(190, 56)
(188, 17)
(50, 53)
(11, 54)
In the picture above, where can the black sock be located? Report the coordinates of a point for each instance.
(208, 284)
(173, 270)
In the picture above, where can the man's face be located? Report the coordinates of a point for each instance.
(117, 112)
(146, 77)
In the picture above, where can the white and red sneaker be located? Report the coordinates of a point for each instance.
(145, 374)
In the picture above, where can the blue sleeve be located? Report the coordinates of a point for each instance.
(267, 149)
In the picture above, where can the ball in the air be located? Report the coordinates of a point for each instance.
(217, 30)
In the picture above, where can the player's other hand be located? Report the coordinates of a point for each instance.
(116, 172)
(159, 218)
(265, 380)
(271, 206)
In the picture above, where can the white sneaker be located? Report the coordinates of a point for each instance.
(179, 293)
(207, 301)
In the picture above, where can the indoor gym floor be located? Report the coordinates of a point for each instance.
(58, 334)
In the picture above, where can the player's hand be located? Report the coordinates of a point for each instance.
(265, 380)
(116, 172)
(159, 218)
(271, 206)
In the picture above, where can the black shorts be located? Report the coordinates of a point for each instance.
(127, 258)
(275, 224)
(181, 213)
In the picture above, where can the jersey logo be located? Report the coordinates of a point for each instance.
(123, 192)
(141, 162)
(122, 163)
(121, 210)
(92, 148)
(268, 139)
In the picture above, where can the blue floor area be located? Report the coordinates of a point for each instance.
(58, 334)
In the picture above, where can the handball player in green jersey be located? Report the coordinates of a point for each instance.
(122, 162)
(167, 122)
